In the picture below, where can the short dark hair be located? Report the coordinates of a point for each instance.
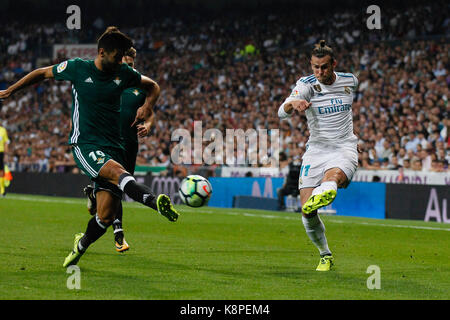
(321, 50)
(113, 39)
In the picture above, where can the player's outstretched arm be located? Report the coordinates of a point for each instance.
(33, 77)
(145, 112)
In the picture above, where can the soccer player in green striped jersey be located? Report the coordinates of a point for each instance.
(131, 100)
(95, 138)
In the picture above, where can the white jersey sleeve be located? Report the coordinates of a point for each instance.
(301, 91)
(355, 79)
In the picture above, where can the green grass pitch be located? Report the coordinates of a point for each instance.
(219, 254)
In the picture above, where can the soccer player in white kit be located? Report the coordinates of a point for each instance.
(331, 156)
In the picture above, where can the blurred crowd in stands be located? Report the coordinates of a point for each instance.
(233, 72)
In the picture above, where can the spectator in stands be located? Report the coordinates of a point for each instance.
(416, 164)
(407, 164)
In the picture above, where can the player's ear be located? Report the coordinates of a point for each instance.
(101, 52)
(334, 63)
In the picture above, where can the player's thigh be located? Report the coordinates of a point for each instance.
(111, 171)
(97, 161)
(312, 170)
(337, 175)
(107, 206)
(343, 165)
(90, 158)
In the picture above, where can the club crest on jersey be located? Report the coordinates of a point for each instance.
(136, 92)
(100, 160)
(117, 81)
(347, 90)
(61, 67)
(317, 87)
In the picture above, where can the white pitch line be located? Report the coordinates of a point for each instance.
(246, 214)
(25, 198)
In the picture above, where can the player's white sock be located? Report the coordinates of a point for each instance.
(315, 229)
(325, 186)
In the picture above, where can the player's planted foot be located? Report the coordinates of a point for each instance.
(76, 254)
(325, 264)
(166, 208)
(318, 201)
(121, 243)
(91, 202)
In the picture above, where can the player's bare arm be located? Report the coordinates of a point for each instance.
(31, 78)
(145, 112)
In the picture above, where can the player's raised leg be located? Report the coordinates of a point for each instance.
(115, 173)
(315, 230)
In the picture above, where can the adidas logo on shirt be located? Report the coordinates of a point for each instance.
(89, 80)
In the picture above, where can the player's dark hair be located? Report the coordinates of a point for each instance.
(321, 50)
(113, 39)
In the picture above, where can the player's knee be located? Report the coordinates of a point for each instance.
(107, 220)
(112, 171)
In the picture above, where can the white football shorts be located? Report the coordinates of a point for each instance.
(319, 158)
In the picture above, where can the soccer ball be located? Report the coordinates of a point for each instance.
(195, 191)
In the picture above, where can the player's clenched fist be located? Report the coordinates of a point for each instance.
(299, 105)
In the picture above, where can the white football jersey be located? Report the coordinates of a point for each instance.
(329, 117)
